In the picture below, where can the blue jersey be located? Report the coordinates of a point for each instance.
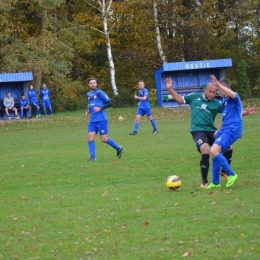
(144, 104)
(23, 102)
(45, 94)
(232, 116)
(32, 95)
(97, 98)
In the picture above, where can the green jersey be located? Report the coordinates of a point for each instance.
(203, 112)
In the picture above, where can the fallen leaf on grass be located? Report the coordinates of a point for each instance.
(115, 162)
(105, 193)
(186, 254)
(146, 223)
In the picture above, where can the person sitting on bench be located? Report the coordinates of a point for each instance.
(24, 107)
(9, 106)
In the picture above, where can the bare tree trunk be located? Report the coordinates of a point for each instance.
(38, 72)
(37, 80)
(104, 11)
(158, 35)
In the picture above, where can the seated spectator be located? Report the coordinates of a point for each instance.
(24, 107)
(9, 106)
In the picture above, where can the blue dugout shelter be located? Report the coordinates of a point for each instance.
(188, 77)
(15, 83)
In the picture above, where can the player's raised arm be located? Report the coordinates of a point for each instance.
(223, 90)
(175, 95)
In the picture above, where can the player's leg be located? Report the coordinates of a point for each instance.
(137, 122)
(203, 141)
(103, 131)
(220, 146)
(21, 112)
(91, 143)
(29, 113)
(228, 155)
(204, 163)
(37, 109)
(153, 123)
(44, 108)
(215, 175)
(48, 104)
(51, 111)
(7, 112)
(15, 112)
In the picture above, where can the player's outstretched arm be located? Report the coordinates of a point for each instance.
(176, 96)
(250, 110)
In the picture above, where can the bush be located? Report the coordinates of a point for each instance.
(243, 86)
(124, 99)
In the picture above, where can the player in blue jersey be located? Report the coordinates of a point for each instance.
(144, 108)
(24, 107)
(98, 101)
(32, 95)
(46, 100)
(230, 130)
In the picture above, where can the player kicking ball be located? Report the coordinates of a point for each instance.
(230, 130)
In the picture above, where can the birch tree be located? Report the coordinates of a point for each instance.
(106, 13)
(157, 30)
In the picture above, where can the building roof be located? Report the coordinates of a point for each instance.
(16, 77)
(195, 65)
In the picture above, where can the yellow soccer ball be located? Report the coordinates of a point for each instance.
(120, 118)
(173, 182)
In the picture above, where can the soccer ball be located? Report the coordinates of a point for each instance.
(173, 182)
(120, 118)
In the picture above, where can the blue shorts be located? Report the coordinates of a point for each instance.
(225, 140)
(46, 103)
(144, 112)
(100, 127)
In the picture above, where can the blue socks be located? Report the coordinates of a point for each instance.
(112, 143)
(215, 171)
(218, 162)
(45, 111)
(153, 124)
(92, 149)
(51, 112)
(136, 126)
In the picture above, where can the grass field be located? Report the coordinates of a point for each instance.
(57, 205)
